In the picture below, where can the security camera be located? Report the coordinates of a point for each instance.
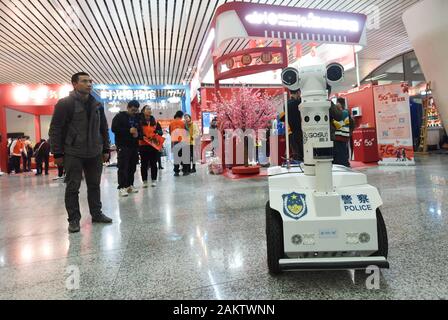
(314, 109)
(335, 73)
(291, 79)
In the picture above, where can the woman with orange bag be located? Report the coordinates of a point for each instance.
(148, 146)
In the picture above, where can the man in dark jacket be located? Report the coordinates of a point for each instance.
(79, 140)
(341, 128)
(127, 129)
(42, 155)
(295, 126)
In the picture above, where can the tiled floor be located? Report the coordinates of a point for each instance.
(202, 237)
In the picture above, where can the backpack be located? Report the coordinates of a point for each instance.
(342, 127)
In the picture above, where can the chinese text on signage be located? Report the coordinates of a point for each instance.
(311, 21)
(127, 95)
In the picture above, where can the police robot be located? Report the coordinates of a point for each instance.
(320, 216)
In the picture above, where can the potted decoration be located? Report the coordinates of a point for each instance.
(246, 109)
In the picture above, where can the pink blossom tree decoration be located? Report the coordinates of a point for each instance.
(247, 109)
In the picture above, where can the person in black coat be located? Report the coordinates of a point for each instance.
(42, 155)
(295, 126)
(79, 140)
(127, 129)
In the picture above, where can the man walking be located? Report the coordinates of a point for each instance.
(79, 140)
(127, 129)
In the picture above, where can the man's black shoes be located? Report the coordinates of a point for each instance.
(74, 227)
(101, 219)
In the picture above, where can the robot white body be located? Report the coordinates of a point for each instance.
(322, 216)
(334, 231)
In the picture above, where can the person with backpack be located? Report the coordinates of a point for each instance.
(342, 126)
(79, 140)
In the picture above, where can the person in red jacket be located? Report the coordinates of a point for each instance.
(178, 137)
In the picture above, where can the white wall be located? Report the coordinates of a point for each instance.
(45, 126)
(23, 124)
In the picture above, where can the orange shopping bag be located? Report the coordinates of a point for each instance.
(155, 141)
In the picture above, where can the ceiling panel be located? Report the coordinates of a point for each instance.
(143, 41)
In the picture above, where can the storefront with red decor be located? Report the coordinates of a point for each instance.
(26, 110)
(361, 104)
(382, 115)
(249, 44)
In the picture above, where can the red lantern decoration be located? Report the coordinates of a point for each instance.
(266, 57)
(246, 59)
(230, 63)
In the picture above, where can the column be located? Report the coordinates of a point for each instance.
(37, 128)
(4, 140)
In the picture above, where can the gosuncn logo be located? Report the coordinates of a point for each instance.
(315, 135)
(294, 205)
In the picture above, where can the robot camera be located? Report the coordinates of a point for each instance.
(335, 73)
(291, 79)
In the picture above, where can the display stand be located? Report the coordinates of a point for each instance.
(365, 145)
(423, 147)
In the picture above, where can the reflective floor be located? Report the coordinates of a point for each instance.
(202, 237)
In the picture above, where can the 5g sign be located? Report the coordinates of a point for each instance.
(369, 142)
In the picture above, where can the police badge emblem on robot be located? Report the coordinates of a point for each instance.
(294, 205)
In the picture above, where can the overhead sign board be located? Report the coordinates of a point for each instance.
(250, 20)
